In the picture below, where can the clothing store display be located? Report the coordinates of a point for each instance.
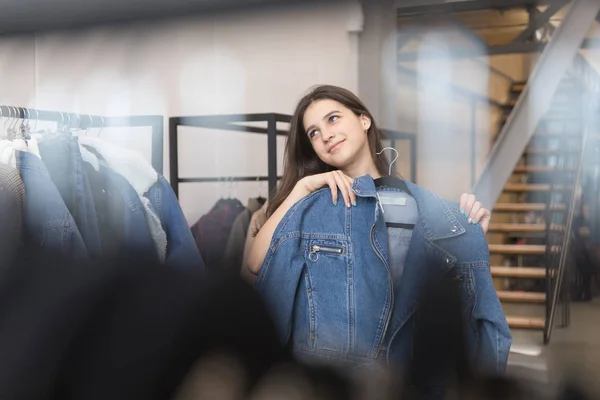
(258, 219)
(165, 221)
(234, 251)
(49, 226)
(124, 329)
(211, 231)
(330, 289)
(11, 213)
(63, 160)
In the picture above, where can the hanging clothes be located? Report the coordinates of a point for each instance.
(11, 213)
(164, 218)
(49, 226)
(212, 230)
(234, 251)
(256, 222)
(63, 160)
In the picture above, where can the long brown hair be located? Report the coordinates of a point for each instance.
(300, 159)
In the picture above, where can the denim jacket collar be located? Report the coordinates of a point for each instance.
(429, 206)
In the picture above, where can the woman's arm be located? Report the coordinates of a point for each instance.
(335, 180)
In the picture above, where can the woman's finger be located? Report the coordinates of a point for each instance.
(469, 202)
(330, 180)
(463, 202)
(348, 185)
(473, 212)
(483, 216)
(343, 185)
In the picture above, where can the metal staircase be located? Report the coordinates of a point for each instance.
(530, 231)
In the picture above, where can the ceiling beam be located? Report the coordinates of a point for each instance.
(512, 48)
(468, 5)
(539, 20)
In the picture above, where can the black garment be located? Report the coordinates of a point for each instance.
(114, 331)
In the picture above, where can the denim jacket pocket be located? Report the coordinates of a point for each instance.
(328, 289)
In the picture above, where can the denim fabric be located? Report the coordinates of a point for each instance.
(62, 157)
(327, 280)
(182, 251)
(49, 226)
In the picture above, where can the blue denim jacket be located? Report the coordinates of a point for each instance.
(327, 281)
(48, 224)
(182, 251)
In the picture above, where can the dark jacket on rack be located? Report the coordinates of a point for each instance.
(328, 284)
(234, 251)
(11, 213)
(48, 223)
(211, 231)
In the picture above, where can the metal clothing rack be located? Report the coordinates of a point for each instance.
(233, 122)
(85, 121)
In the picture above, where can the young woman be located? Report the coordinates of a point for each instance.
(333, 139)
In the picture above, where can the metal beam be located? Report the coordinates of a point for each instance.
(467, 5)
(535, 100)
(539, 20)
(512, 48)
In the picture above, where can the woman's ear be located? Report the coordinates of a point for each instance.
(366, 121)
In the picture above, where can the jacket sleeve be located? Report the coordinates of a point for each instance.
(182, 251)
(492, 332)
(278, 281)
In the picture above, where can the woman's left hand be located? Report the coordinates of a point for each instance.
(474, 211)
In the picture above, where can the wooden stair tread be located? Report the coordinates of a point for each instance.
(526, 207)
(521, 296)
(518, 87)
(529, 249)
(535, 168)
(537, 150)
(532, 187)
(507, 227)
(525, 323)
(518, 272)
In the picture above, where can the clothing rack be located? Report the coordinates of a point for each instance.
(233, 122)
(86, 121)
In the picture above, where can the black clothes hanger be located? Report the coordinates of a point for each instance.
(392, 181)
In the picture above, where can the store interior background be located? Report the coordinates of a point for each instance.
(258, 61)
(262, 61)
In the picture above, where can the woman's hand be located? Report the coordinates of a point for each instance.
(474, 211)
(335, 180)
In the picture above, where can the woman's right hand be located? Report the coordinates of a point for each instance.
(335, 180)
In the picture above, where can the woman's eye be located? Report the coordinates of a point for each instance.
(312, 133)
(333, 118)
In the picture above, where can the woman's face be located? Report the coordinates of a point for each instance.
(337, 135)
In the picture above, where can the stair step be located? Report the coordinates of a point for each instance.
(524, 249)
(521, 296)
(532, 187)
(518, 272)
(542, 151)
(508, 227)
(534, 168)
(518, 87)
(505, 227)
(526, 323)
(510, 207)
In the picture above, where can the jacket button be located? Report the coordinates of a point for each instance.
(447, 261)
(357, 190)
(453, 229)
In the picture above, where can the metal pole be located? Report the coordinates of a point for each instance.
(272, 153)
(173, 162)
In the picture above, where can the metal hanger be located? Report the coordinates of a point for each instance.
(392, 181)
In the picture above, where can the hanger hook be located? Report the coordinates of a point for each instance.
(37, 118)
(393, 161)
(101, 126)
(89, 127)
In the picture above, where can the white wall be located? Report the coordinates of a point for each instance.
(262, 61)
